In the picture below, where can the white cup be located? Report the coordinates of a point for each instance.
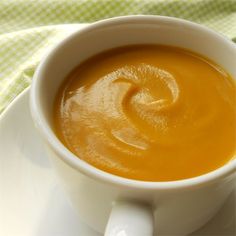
(112, 204)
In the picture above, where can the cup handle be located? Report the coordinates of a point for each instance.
(130, 219)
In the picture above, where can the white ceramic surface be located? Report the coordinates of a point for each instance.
(32, 203)
(178, 207)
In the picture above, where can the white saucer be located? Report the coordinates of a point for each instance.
(31, 201)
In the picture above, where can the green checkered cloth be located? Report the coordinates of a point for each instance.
(29, 28)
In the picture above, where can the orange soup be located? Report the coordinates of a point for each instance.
(149, 112)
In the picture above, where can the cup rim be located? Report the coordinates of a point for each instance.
(91, 171)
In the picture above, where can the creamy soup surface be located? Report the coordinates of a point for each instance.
(149, 112)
